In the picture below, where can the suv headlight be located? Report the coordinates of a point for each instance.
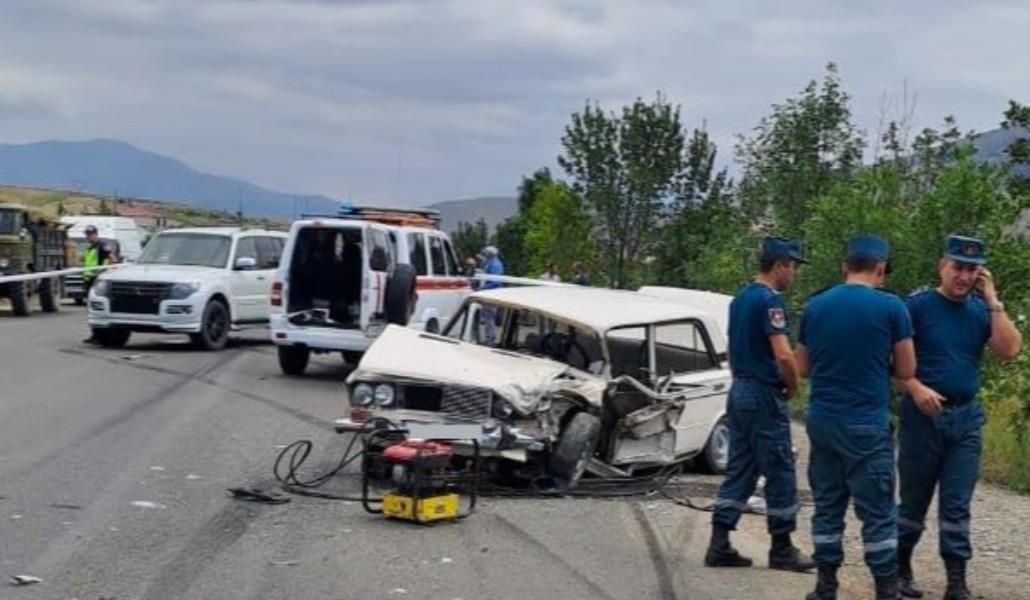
(181, 291)
(101, 287)
(362, 395)
(385, 396)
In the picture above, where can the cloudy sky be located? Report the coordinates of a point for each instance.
(421, 100)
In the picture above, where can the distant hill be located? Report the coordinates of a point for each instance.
(991, 146)
(492, 209)
(109, 167)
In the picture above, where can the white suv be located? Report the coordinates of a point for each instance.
(203, 282)
(342, 279)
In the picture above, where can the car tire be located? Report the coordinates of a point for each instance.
(715, 456)
(351, 357)
(293, 360)
(112, 338)
(48, 294)
(575, 447)
(400, 295)
(214, 327)
(19, 296)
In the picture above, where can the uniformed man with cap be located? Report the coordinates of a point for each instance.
(853, 338)
(940, 416)
(764, 377)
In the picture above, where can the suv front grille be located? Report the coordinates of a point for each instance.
(138, 297)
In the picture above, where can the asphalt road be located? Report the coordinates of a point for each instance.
(114, 467)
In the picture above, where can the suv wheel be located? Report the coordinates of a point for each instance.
(293, 360)
(214, 327)
(575, 447)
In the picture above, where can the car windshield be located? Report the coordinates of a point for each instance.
(9, 222)
(529, 332)
(199, 249)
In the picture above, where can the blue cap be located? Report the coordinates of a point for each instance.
(778, 248)
(968, 250)
(865, 245)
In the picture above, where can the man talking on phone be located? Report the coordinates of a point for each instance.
(941, 418)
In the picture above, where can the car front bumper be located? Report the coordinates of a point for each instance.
(174, 316)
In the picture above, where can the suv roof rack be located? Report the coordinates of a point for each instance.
(413, 217)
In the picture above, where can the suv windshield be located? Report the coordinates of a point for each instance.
(200, 249)
(9, 222)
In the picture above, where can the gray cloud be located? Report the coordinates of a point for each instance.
(415, 101)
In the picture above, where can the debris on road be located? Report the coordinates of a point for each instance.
(148, 504)
(136, 356)
(65, 506)
(398, 591)
(283, 563)
(24, 580)
(258, 495)
(193, 477)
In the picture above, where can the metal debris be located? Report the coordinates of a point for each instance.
(25, 579)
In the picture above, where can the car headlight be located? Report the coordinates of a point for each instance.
(101, 287)
(503, 409)
(4, 263)
(181, 291)
(362, 395)
(384, 395)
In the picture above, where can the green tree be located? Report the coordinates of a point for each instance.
(469, 238)
(805, 147)
(558, 231)
(624, 167)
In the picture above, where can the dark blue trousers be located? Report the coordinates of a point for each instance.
(941, 451)
(852, 461)
(759, 445)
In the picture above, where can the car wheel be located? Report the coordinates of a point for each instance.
(214, 327)
(112, 338)
(48, 294)
(716, 455)
(293, 360)
(351, 357)
(400, 295)
(575, 447)
(19, 298)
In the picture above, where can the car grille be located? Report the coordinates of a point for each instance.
(138, 297)
(459, 403)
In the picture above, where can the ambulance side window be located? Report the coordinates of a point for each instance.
(417, 253)
(438, 266)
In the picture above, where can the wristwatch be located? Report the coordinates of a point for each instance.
(996, 307)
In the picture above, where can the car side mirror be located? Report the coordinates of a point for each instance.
(378, 262)
(245, 263)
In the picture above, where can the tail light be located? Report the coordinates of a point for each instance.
(276, 298)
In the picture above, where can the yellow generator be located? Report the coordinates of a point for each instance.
(427, 479)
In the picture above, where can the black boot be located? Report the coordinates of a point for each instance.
(906, 580)
(957, 590)
(720, 553)
(784, 556)
(825, 586)
(887, 587)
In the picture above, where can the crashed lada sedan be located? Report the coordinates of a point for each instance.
(559, 380)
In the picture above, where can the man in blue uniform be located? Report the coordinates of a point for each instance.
(940, 415)
(853, 338)
(764, 377)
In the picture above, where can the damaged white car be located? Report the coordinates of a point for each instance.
(561, 380)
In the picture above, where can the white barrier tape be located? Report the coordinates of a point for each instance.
(49, 274)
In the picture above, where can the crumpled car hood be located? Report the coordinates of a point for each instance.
(403, 353)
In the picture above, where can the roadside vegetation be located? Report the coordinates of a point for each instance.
(642, 203)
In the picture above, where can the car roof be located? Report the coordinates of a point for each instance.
(330, 221)
(223, 231)
(600, 309)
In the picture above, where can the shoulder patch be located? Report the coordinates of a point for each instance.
(777, 318)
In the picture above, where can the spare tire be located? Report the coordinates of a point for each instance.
(400, 295)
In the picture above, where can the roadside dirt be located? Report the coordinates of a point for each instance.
(1000, 569)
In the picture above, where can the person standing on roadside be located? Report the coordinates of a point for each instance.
(579, 274)
(551, 274)
(492, 265)
(765, 376)
(96, 255)
(941, 419)
(853, 338)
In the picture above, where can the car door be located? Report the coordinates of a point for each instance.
(249, 285)
(377, 263)
(708, 400)
(269, 252)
